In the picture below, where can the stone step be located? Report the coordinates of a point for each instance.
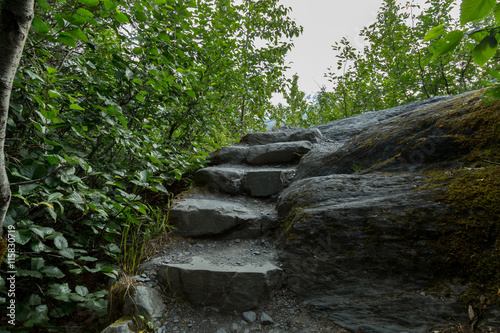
(272, 153)
(312, 135)
(235, 275)
(256, 182)
(216, 216)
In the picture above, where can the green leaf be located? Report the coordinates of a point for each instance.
(434, 33)
(109, 5)
(39, 25)
(121, 18)
(140, 98)
(60, 242)
(82, 291)
(496, 13)
(37, 263)
(485, 50)
(123, 121)
(76, 107)
(67, 39)
(79, 34)
(51, 70)
(67, 253)
(54, 94)
(52, 271)
(42, 232)
(493, 73)
(89, 2)
(84, 12)
(473, 10)
(446, 45)
(53, 159)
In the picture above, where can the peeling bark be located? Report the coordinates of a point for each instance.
(15, 21)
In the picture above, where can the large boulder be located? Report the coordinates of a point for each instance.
(408, 138)
(360, 246)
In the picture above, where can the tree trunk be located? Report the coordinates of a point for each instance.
(15, 21)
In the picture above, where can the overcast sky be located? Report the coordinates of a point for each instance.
(325, 22)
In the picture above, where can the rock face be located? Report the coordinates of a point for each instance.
(360, 222)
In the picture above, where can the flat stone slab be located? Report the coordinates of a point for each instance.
(204, 217)
(283, 152)
(256, 181)
(312, 135)
(229, 287)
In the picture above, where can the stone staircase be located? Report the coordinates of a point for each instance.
(230, 215)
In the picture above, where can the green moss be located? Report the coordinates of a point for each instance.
(470, 241)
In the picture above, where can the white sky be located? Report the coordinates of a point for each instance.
(324, 23)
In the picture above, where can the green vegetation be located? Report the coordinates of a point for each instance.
(414, 50)
(113, 103)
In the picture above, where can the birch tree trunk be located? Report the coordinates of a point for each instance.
(15, 21)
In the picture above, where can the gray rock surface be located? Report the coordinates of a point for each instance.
(266, 182)
(283, 152)
(228, 287)
(144, 301)
(312, 135)
(360, 247)
(220, 179)
(257, 182)
(402, 139)
(202, 217)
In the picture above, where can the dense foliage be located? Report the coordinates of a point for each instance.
(413, 51)
(113, 102)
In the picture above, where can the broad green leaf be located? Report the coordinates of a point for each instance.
(52, 271)
(496, 13)
(54, 94)
(37, 263)
(493, 73)
(22, 236)
(109, 5)
(76, 107)
(30, 273)
(89, 2)
(79, 34)
(141, 17)
(121, 18)
(35, 300)
(42, 232)
(485, 50)
(60, 242)
(122, 121)
(51, 70)
(137, 50)
(473, 10)
(140, 98)
(85, 12)
(39, 25)
(447, 44)
(67, 253)
(67, 39)
(82, 291)
(434, 33)
(53, 159)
